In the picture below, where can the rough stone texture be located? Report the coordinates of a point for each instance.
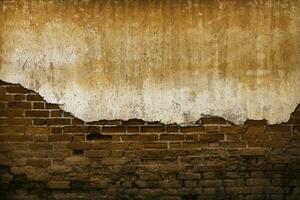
(45, 156)
(155, 60)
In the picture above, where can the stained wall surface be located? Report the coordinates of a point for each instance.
(168, 61)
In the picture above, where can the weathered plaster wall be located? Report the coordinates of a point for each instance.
(168, 61)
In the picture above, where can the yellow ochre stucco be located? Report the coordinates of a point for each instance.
(168, 61)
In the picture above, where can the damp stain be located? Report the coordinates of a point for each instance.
(138, 51)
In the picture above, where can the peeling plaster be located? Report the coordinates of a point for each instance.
(168, 61)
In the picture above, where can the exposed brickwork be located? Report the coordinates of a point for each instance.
(47, 153)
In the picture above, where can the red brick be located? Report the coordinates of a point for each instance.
(212, 120)
(19, 121)
(190, 183)
(133, 138)
(40, 138)
(255, 122)
(255, 144)
(3, 105)
(155, 123)
(296, 113)
(19, 97)
(175, 145)
(77, 122)
(133, 129)
(171, 137)
(106, 122)
(294, 120)
(99, 137)
(52, 106)
(55, 113)
(79, 146)
(114, 129)
(16, 89)
(134, 122)
(2, 90)
(116, 154)
(257, 182)
(59, 185)
(233, 144)
(210, 183)
(189, 176)
(210, 175)
(12, 113)
(232, 129)
(279, 128)
(152, 129)
(93, 129)
(211, 137)
(58, 121)
(38, 105)
(2, 83)
(37, 113)
(56, 130)
(191, 129)
(66, 114)
(172, 129)
(40, 146)
(59, 137)
(79, 138)
(212, 129)
(135, 146)
(5, 147)
(96, 153)
(113, 161)
(160, 145)
(256, 129)
(12, 129)
(150, 176)
(34, 97)
(106, 145)
(74, 129)
(263, 136)
(39, 121)
(3, 122)
(37, 130)
(6, 97)
(171, 184)
(19, 105)
(233, 137)
(253, 152)
(249, 136)
(117, 138)
(151, 137)
(60, 154)
(191, 137)
(4, 138)
(40, 163)
(195, 145)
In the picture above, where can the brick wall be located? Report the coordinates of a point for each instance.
(46, 153)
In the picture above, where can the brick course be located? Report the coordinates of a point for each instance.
(46, 153)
